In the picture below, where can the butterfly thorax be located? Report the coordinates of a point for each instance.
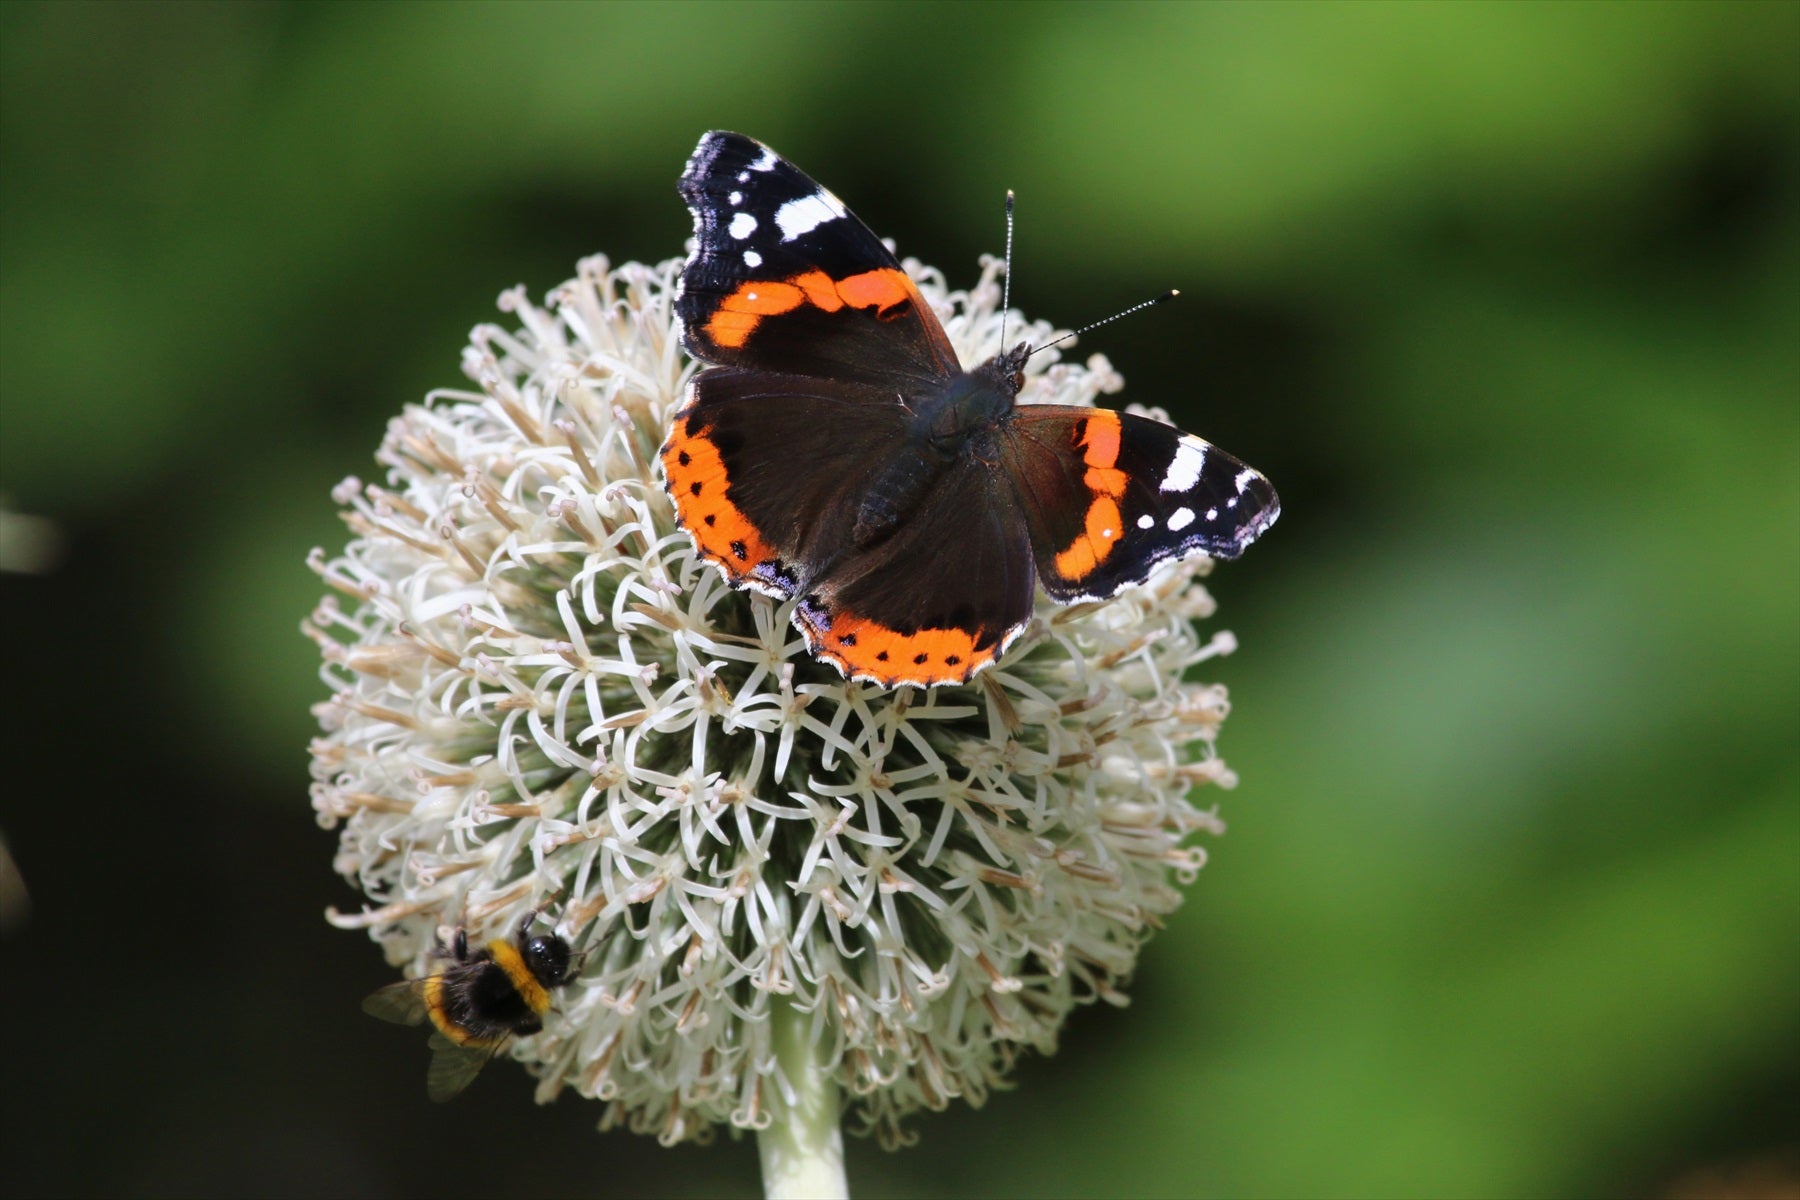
(960, 419)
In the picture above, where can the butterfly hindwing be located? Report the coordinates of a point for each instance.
(938, 599)
(785, 278)
(1109, 495)
(768, 471)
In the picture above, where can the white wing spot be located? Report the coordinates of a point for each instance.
(1212, 514)
(742, 225)
(1231, 503)
(802, 216)
(752, 259)
(1146, 521)
(1243, 479)
(766, 162)
(743, 177)
(1182, 518)
(1184, 469)
(736, 198)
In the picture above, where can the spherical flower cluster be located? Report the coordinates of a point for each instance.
(541, 696)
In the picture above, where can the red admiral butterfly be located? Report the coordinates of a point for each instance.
(836, 451)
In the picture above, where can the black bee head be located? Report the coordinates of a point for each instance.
(548, 958)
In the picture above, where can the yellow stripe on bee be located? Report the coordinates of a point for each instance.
(433, 991)
(507, 957)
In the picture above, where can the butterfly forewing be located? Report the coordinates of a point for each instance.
(1109, 495)
(785, 278)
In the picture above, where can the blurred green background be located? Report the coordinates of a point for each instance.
(1505, 299)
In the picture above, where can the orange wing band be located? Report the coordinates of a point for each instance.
(697, 481)
(884, 290)
(1103, 525)
(865, 649)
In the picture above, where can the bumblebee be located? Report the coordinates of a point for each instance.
(477, 1003)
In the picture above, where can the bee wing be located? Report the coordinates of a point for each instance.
(455, 1066)
(402, 1003)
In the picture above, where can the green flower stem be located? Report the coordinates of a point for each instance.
(802, 1149)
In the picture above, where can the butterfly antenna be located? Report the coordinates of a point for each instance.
(1151, 303)
(1006, 285)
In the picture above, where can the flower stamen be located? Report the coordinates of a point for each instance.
(543, 696)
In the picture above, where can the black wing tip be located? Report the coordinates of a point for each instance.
(718, 143)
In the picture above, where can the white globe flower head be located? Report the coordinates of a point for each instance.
(780, 886)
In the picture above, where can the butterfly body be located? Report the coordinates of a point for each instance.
(837, 453)
(963, 420)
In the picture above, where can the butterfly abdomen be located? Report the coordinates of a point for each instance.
(955, 421)
(897, 491)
